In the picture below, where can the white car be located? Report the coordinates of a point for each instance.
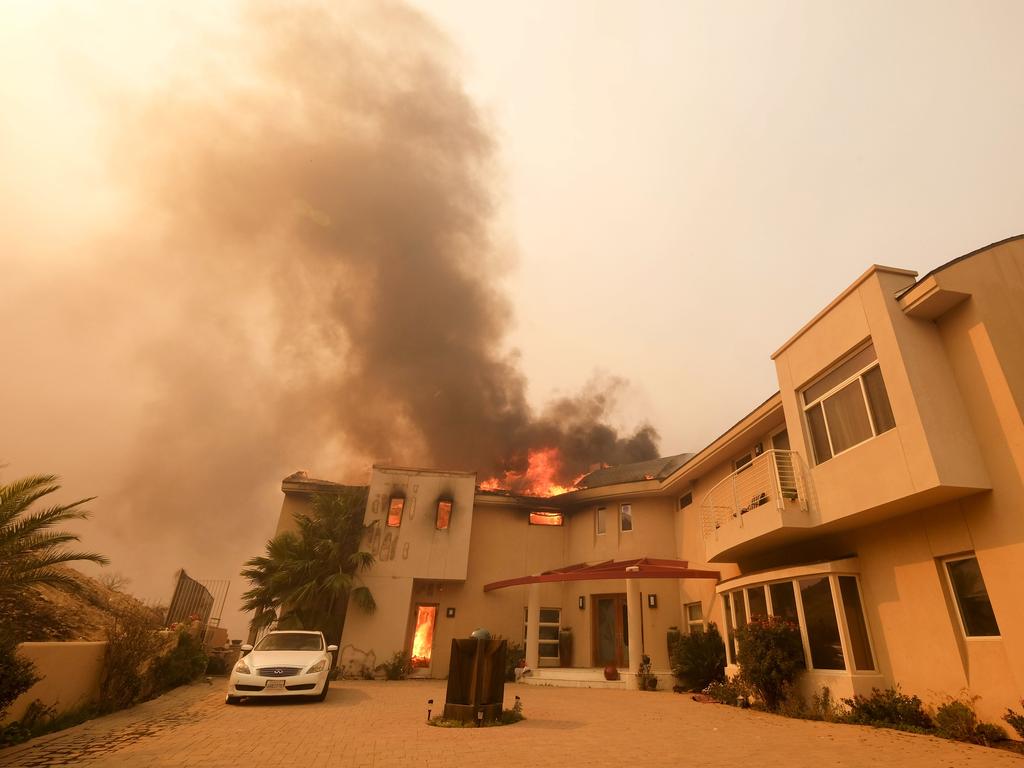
(284, 663)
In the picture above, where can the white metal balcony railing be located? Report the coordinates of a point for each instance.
(773, 478)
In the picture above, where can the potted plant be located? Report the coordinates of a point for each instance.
(647, 680)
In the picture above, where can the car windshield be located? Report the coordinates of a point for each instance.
(291, 641)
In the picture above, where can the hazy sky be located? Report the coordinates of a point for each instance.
(679, 187)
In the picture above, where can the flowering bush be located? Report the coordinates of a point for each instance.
(771, 656)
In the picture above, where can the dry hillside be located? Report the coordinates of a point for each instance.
(45, 613)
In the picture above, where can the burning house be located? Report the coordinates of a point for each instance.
(874, 500)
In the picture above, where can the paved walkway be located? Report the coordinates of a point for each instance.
(382, 724)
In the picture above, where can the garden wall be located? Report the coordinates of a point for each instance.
(70, 673)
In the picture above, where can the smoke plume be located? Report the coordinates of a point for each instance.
(308, 278)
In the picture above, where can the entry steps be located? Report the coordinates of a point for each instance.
(574, 677)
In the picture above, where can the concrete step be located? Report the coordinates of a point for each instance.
(568, 677)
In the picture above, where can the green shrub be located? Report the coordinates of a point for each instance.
(1015, 720)
(132, 644)
(957, 720)
(218, 665)
(888, 708)
(17, 674)
(698, 659)
(398, 668)
(771, 655)
(186, 661)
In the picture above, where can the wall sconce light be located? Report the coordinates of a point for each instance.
(430, 705)
(652, 601)
(582, 602)
(450, 613)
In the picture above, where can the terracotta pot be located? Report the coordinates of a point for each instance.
(611, 673)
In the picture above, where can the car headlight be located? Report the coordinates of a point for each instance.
(242, 667)
(318, 667)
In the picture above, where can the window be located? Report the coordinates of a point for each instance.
(686, 500)
(847, 405)
(550, 623)
(625, 517)
(395, 511)
(600, 523)
(694, 618)
(444, 514)
(976, 615)
(822, 623)
(860, 645)
(822, 627)
(545, 518)
(758, 603)
(742, 461)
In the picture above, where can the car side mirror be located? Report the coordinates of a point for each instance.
(332, 648)
(246, 648)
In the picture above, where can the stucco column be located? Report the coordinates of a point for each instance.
(533, 628)
(633, 619)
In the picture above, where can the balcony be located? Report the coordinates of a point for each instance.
(760, 504)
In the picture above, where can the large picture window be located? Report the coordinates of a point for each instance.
(826, 607)
(976, 614)
(847, 405)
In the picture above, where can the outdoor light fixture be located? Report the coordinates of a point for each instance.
(450, 613)
(430, 705)
(652, 601)
(583, 604)
(479, 718)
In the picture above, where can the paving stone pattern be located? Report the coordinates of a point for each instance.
(376, 724)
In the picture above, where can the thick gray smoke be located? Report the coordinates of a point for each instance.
(308, 281)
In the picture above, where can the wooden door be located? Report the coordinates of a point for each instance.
(610, 631)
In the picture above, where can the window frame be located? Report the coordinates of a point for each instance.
(944, 562)
(686, 500)
(690, 623)
(557, 658)
(838, 606)
(600, 521)
(624, 515)
(819, 401)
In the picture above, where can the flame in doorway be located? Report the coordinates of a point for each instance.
(423, 638)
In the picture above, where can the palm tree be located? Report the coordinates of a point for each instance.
(306, 579)
(30, 550)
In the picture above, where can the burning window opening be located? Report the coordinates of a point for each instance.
(423, 637)
(395, 509)
(545, 518)
(444, 514)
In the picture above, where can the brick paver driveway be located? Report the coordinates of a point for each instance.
(382, 724)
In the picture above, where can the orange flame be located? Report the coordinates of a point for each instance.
(423, 639)
(540, 478)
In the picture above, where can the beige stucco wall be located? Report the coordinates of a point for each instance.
(70, 674)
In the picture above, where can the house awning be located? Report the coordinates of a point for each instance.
(641, 568)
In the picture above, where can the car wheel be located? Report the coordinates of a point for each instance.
(229, 699)
(323, 693)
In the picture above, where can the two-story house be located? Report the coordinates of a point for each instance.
(877, 500)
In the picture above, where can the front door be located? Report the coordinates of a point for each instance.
(423, 636)
(611, 631)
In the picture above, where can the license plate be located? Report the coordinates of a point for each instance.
(275, 683)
